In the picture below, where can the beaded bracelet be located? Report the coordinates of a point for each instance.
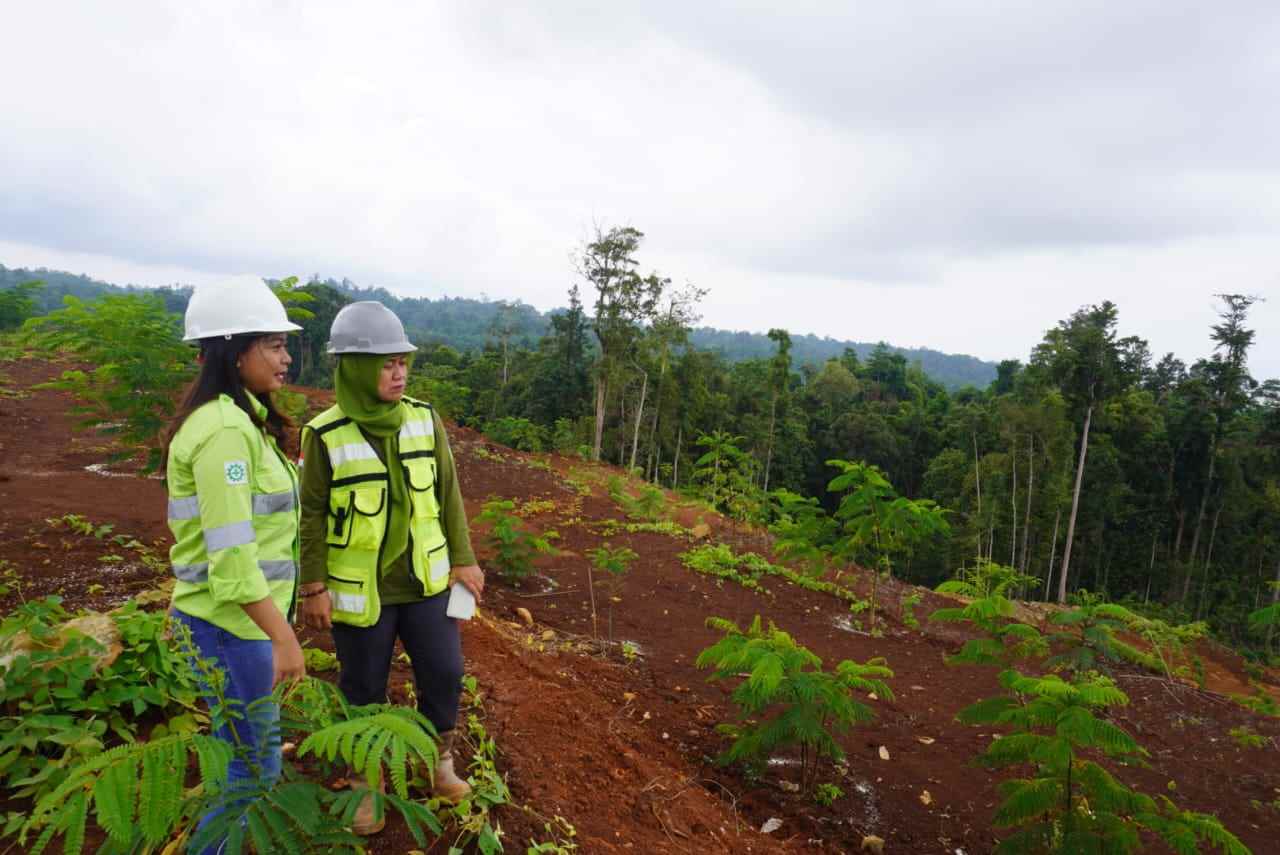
(317, 592)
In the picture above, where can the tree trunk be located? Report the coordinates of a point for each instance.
(1177, 540)
(1053, 553)
(1026, 520)
(1275, 596)
(1151, 567)
(1075, 508)
(597, 445)
(635, 436)
(977, 481)
(657, 413)
(675, 465)
(768, 454)
(1195, 537)
(1013, 504)
(1208, 559)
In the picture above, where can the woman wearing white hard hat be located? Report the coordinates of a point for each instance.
(384, 532)
(233, 511)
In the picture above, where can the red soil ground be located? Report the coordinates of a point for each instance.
(623, 749)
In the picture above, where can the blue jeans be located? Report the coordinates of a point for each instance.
(247, 666)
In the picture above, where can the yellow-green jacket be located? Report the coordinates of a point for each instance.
(233, 511)
(356, 513)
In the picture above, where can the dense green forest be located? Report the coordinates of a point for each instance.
(466, 324)
(1091, 465)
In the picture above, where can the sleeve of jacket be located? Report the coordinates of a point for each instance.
(453, 513)
(313, 490)
(222, 469)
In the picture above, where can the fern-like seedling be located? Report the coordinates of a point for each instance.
(787, 699)
(1071, 804)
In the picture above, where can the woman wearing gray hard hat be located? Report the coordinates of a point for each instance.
(384, 533)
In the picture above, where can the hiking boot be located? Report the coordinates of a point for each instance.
(363, 822)
(445, 784)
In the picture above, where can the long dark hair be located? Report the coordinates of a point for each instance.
(220, 375)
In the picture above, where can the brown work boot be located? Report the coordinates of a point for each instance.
(445, 784)
(363, 822)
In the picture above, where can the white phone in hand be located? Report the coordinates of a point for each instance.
(462, 603)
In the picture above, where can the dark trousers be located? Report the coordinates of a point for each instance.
(434, 644)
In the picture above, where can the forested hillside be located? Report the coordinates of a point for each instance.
(465, 323)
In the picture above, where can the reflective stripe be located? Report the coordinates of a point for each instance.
(184, 509)
(196, 574)
(417, 428)
(279, 570)
(353, 603)
(226, 536)
(273, 503)
(342, 454)
(274, 571)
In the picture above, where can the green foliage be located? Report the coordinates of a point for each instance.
(747, 569)
(138, 358)
(984, 578)
(1247, 738)
(1071, 803)
(63, 701)
(649, 504)
(787, 700)
(17, 304)
(1005, 638)
(802, 530)
(319, 661)
(513, 547)
(907, 608)
(518, 433)
(1092, 637)
(875, 524)
(826, 794)
(725, 475)
(135, 792)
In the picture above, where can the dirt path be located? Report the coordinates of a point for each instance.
(620, 747)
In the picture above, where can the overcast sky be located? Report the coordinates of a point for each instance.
(957, 175)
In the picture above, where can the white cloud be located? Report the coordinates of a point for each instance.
(961, 179)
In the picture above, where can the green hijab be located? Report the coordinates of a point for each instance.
(356, 382)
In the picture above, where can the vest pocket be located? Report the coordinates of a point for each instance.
(356, 518)
(420, 475)
(348, 595)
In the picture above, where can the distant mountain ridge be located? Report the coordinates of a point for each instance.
(465, 323)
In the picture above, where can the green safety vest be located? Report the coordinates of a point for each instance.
(233, 511)
(357, 516)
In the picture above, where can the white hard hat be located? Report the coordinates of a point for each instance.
(368, 327)
(241, 304)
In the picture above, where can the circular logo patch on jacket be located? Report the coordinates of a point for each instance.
(237, 473)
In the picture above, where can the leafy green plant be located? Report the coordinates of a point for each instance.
(826, 794)
(991, 612)
(1070, 803)
(1245, 737)
(875, 523)
(1094, 639)
(518, 433)
(802, 530)
(135, 791)
(139, 362)
(614, 562)
(725, 475)
(65, 695)
(787, 700)
(513, 547)
(16, 304)
(907, 608)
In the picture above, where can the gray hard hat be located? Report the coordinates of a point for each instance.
(368, 327)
